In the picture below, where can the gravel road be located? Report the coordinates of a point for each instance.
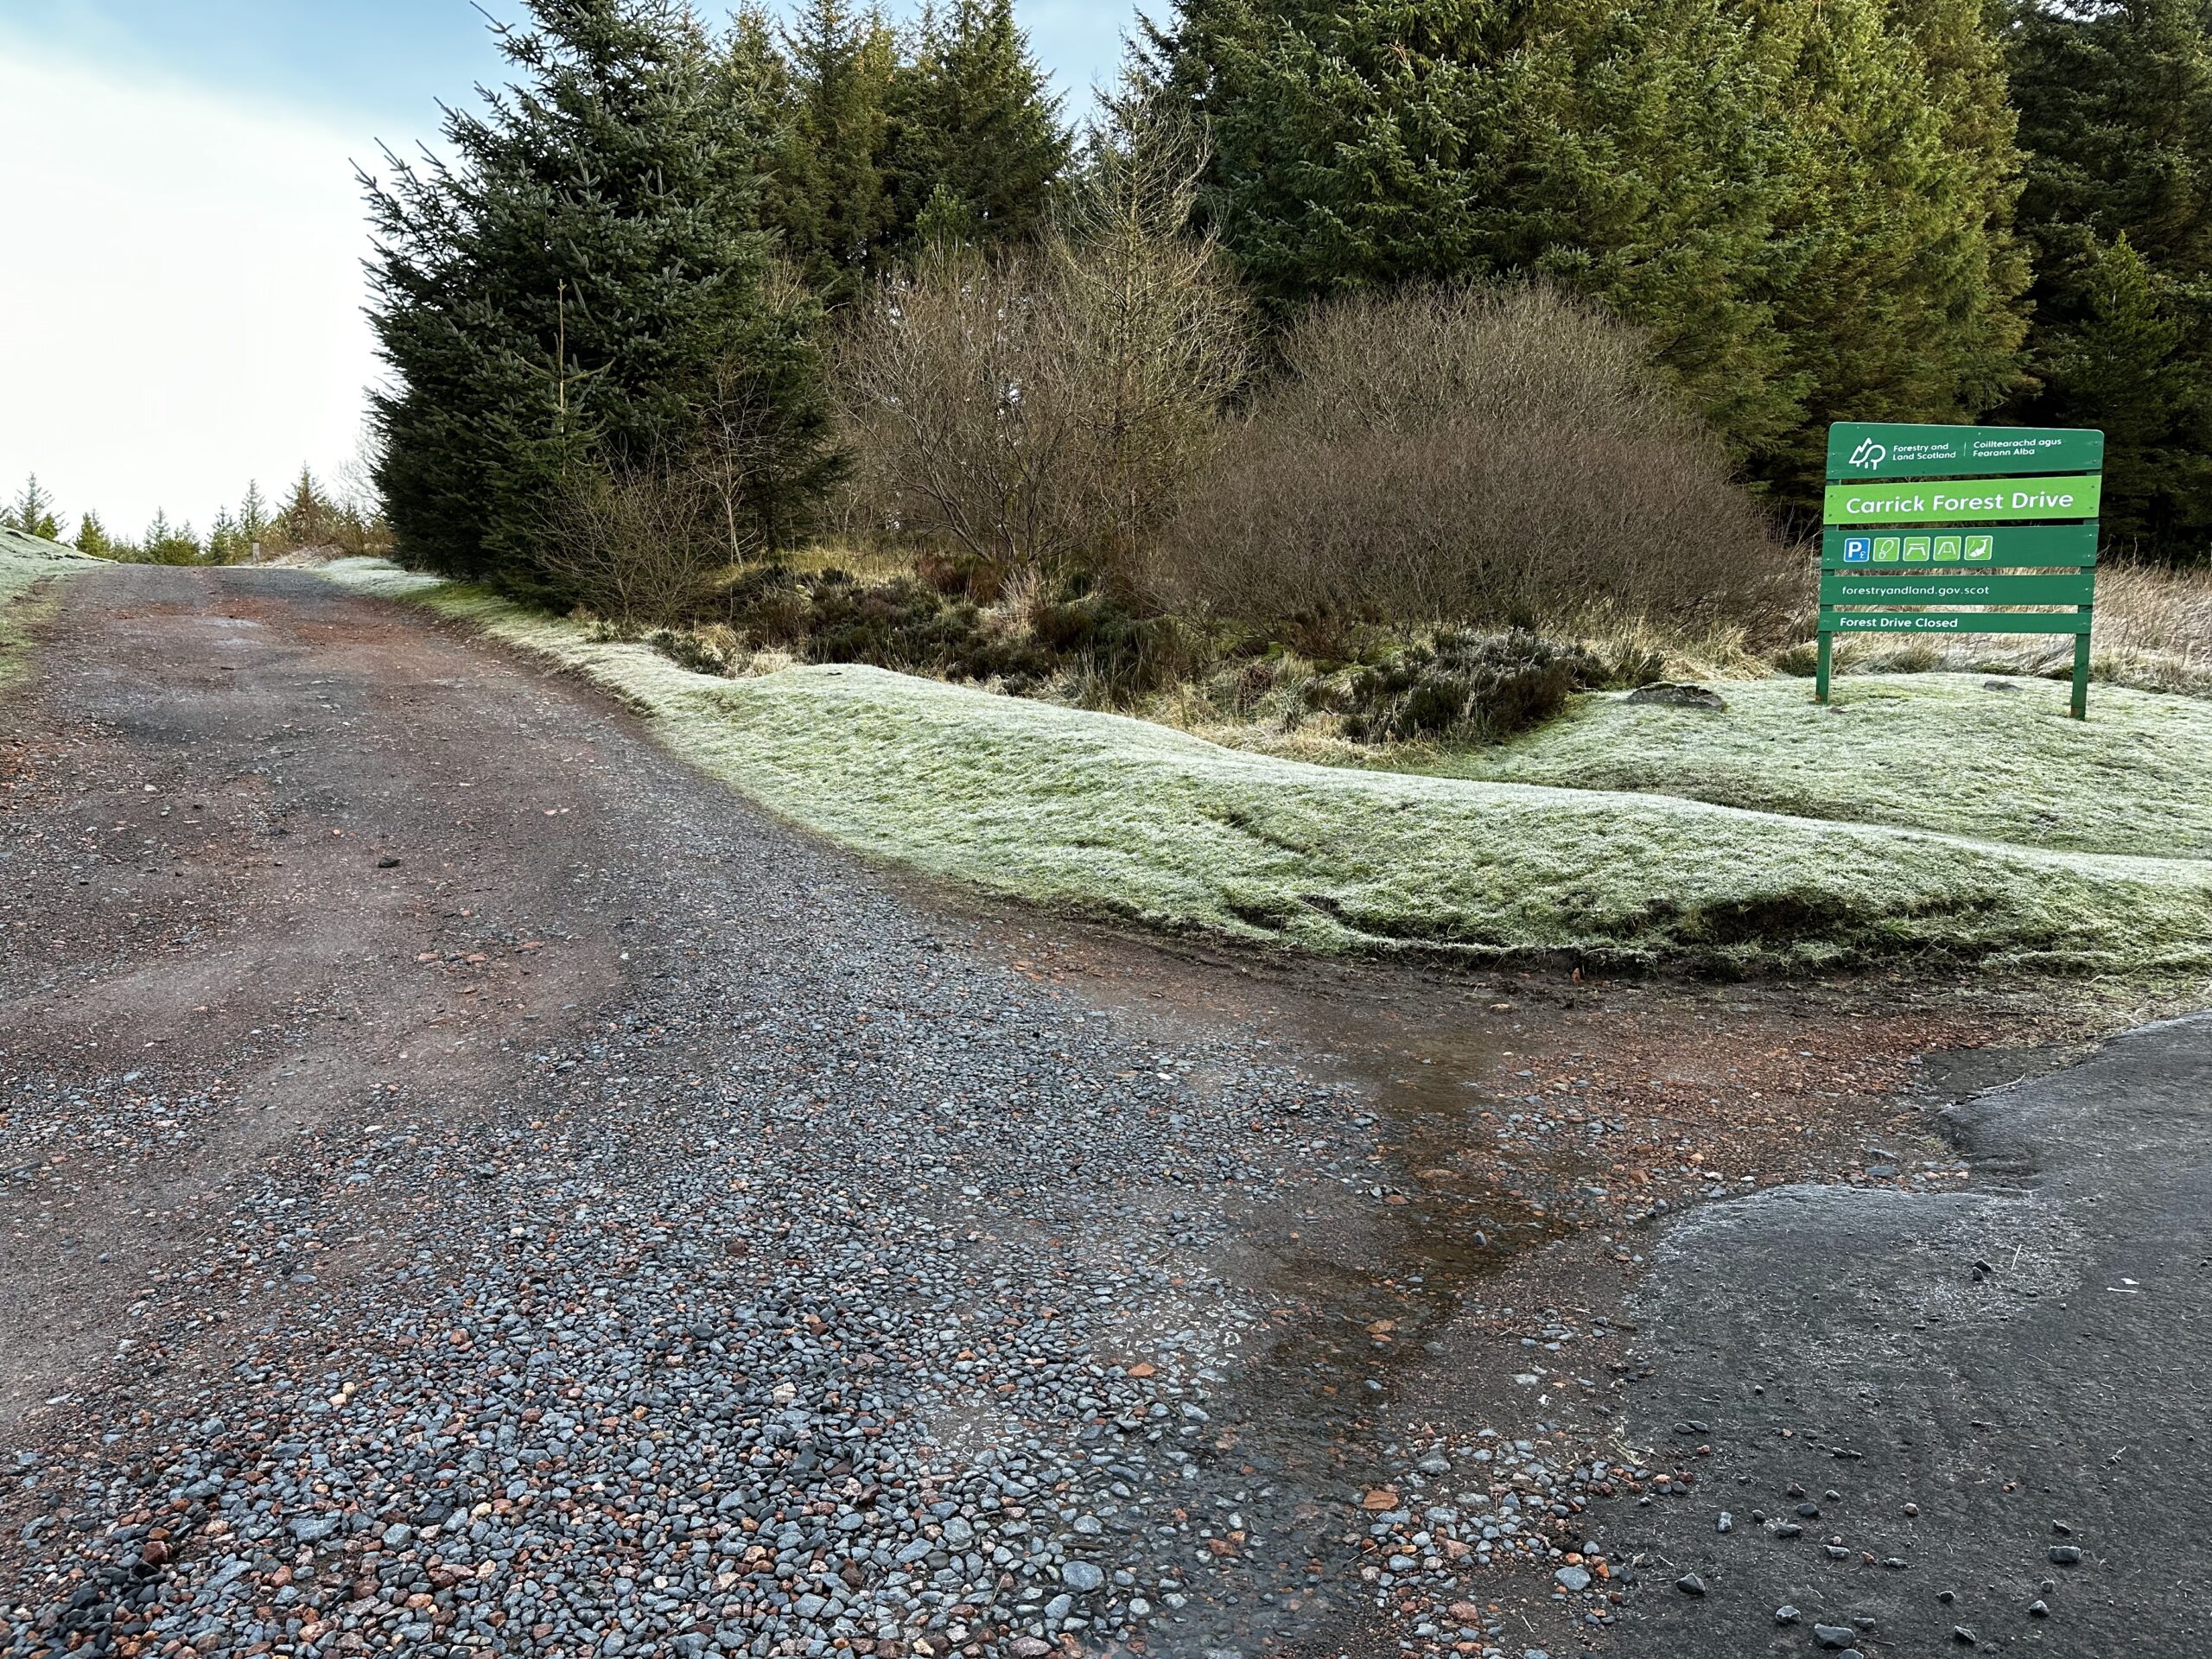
(467, 1185)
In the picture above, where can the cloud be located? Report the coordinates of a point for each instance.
(181, 293)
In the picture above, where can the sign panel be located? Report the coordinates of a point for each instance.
(1972, 501)
(1955, 622)
(1933, 516)
(1938, 589)
(1994, 547)
(1869, 450)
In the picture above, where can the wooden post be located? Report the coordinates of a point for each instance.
(1820, 677)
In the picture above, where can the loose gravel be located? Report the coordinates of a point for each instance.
(470, 1187)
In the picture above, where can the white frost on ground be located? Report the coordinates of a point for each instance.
(1109, 814)
(26, 563)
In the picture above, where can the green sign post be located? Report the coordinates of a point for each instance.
(1921, 519)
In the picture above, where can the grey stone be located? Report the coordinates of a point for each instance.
(1673, 694)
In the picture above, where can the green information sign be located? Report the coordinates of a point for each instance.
(2002, 587)
(1965, 501)
(1955, 622)
(1922, 518)
(1865, 449)
(2037, 546)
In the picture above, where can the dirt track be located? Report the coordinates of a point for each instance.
(400, 1055)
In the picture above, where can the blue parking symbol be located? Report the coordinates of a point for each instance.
(1858, 549)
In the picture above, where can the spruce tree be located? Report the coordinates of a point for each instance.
(972, 123)
(1896, 279)
(1805, 203)
(32, 512)
(92, 537)
(2115, 105)
(831, 197)
(1627, 148)
(167, 543)
(567, 290)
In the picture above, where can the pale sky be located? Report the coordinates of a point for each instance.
(181, 285)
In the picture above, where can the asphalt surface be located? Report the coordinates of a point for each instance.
(1997, 1400)
(467, 1185)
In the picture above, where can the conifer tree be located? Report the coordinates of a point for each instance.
(564, 292)
(1896, 280)
(32, 511)
(972, 123)
(2132, 360)
(92, 537)
(832, 198)
(1627, 148)
(167, 543)
(2115, 102)
(1805, 203)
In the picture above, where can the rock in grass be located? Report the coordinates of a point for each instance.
(1673, 694)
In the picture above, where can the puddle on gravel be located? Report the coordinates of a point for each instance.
(1476, 1119)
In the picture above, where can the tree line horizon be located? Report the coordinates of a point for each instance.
(1984, 211)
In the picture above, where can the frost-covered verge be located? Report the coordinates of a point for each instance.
(1960, 754)
(1118, 815)
(26, 566)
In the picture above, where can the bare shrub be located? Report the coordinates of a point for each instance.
(1046, 409)
(637, 549)
(1152, 334)
(953, 410)
(1447, 456)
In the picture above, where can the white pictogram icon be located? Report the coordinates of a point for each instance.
(1868, 454)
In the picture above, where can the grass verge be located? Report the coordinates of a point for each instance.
(1121, 816)
(1959, 754)
(29, 567)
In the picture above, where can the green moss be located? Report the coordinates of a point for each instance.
(1118, 815)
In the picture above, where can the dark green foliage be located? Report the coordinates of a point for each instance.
(32, 512)
(1804, 203)
(165, 543)
(2115, 106)
(959, 143)
(831, 196)
(1625, 148)
(1478, 686)
(1895, 277)
(977, 144)
(565, 292)
(92, 537)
